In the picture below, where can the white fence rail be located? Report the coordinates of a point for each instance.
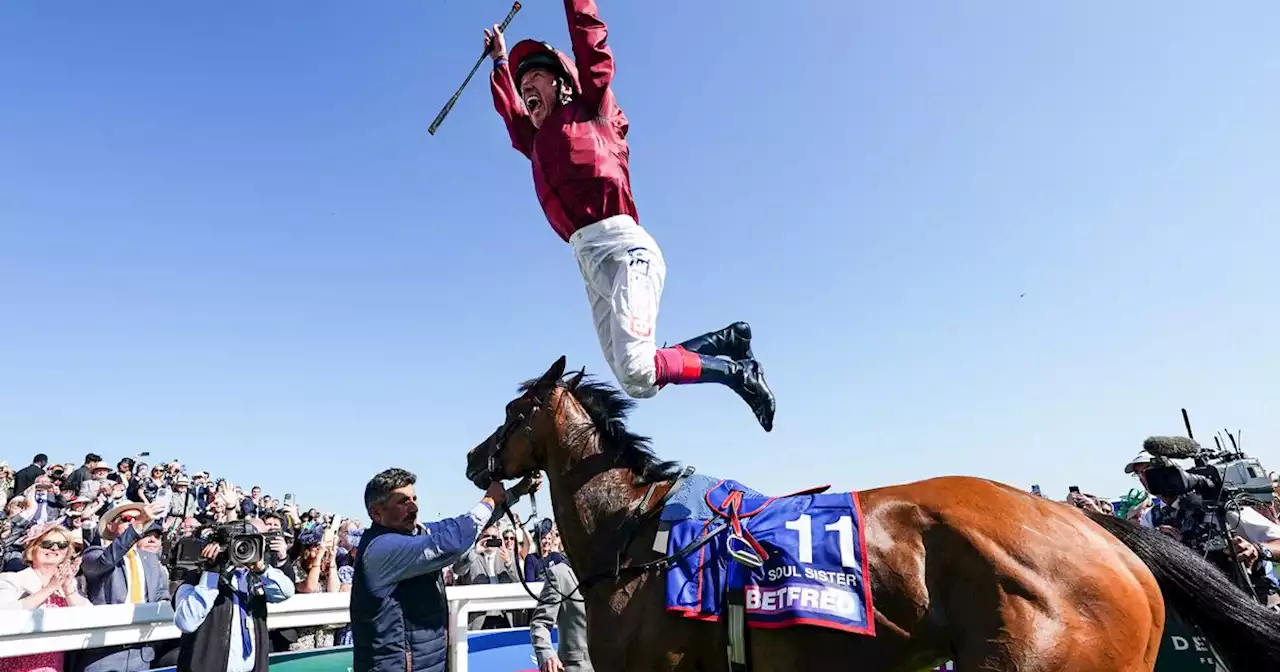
(71, 628)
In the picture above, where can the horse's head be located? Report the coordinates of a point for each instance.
(510, 451)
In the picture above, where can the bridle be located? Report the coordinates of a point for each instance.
(644, 510)
(518, 423)
(521, 422)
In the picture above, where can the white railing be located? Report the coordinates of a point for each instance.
(71, 628)
(465, 600)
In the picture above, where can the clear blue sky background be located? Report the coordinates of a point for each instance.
(225, 235)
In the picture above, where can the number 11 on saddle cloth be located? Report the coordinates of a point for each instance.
(813, 547)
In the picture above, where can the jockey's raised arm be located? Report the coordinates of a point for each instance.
(589, 37)
(507, 101)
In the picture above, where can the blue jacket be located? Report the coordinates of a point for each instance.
(105, 583)
(399, 613)
(104, 572)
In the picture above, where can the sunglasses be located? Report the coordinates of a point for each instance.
(49, 545)
(126, 518)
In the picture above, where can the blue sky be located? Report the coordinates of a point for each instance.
(226, 236)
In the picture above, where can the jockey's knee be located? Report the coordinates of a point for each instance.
(639, 390)
(638, 377)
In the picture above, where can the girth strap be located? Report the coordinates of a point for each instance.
(735, 609)
(643, 511)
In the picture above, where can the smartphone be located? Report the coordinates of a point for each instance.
(163, 495)
(1074, 488)
(145, 453)
(493, 542)
(1035, 490)
(288, 498)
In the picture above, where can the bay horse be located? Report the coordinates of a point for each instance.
(961, 569)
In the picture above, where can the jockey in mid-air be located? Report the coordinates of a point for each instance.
(563, 116)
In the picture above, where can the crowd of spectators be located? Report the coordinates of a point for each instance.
(96, 534)
(99, 534)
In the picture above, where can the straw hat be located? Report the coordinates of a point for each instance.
(114, 513)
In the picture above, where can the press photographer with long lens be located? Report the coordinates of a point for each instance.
(1208, 508)
(221, 608)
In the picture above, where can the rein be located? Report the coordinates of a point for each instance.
(640, 514)
(525, 584)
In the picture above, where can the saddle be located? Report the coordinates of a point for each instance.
(796, 560)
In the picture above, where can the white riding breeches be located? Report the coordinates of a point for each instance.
(624, 271)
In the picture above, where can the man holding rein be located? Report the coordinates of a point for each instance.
(399, 612)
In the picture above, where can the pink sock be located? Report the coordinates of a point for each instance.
(677, 365)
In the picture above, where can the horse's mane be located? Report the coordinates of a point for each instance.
(608, 408)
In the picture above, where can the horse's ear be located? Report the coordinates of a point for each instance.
(573, 382)
(548, 381)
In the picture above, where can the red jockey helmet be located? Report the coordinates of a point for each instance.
(530, 54)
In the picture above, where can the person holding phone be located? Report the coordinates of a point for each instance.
(489, 561)
(44, 504)
(118, 572)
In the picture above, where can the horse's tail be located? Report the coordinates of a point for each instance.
(1246, 633)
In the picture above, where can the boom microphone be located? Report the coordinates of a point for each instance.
(1172, 447)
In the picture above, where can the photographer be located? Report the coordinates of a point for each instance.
(222, 610)
(1189, 518)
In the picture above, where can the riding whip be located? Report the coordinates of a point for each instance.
(449, 105)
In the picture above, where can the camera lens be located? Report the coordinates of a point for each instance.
(242, 551)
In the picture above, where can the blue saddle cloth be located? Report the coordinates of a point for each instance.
(813, 546)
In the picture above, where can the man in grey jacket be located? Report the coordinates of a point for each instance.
(560, 604)
(487, 562)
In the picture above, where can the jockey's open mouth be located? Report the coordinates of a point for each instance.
(532, 101)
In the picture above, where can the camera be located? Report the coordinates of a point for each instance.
(1222, 482)
(242, 545)
(1219, 476)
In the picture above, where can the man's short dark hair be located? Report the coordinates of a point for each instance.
(92, 457)
(40, 458)
(380, 486)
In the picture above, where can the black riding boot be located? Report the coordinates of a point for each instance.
(734, 342)
(747, 379)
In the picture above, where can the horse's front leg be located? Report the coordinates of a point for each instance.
(635, 633)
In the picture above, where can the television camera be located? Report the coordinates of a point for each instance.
(241, 546)
(1221, 483)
